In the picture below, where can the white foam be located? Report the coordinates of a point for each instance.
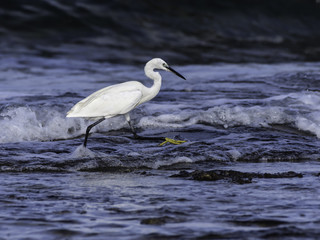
(255, 116)
(304, 108)
(227, 116)
(24, 123)
(311, 124)
(300, 110)
(168, 120)
(82, 152)
(47, 123)
(234, 154)
(93, 160)
(306, 100)
(176, 160)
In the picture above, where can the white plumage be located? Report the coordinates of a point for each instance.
(121, 98)
(110, 101)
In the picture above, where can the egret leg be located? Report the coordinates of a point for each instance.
(133, 131)
(164, 139)
(127, 116)
(88, 130)
(136, 136)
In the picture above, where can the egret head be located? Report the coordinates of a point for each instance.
(158, 63)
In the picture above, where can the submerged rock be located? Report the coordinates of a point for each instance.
(233, 176)
(157, 220)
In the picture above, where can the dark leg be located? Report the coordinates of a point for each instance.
(127, 116)
(136, 136)
(89, 128)
(133, 131)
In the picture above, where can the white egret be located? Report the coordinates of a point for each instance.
(121, 98)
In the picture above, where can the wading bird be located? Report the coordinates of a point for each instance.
(121, 98)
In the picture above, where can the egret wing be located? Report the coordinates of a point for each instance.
(108, 102)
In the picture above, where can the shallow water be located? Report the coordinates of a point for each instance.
(247, 117)
(151, 205)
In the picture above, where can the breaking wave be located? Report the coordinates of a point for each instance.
(46, 123)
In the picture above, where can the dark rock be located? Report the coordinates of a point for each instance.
(233, 176)
(156, 221)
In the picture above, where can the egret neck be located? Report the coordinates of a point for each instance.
(155, 88)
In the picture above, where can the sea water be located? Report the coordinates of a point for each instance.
(261, 118)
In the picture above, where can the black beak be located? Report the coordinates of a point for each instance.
(175, 72)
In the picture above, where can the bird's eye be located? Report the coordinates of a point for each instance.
(163, 64)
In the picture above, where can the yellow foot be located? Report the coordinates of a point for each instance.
(169, 140)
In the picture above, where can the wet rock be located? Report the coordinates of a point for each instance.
(289, 174)
(156, 220)
(233, 176)
(261, 222)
